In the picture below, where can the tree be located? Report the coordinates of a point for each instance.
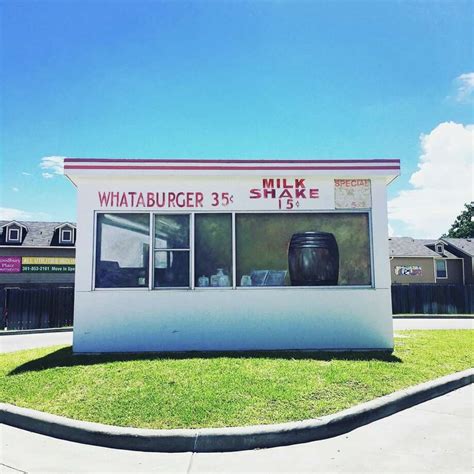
(463, 227)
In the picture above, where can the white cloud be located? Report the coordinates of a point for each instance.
(441, 185)
(465, 87)
(15, 189)
(391, 231)
(53, 165)
(9, 214)
(24, 173)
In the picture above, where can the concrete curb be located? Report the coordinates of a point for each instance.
(15, 332)
(230, 439)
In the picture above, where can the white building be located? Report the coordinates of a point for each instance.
(180, 255)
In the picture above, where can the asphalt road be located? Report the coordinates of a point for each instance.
(433, 437)
(10, 343)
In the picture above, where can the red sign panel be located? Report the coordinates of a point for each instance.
(10, 264)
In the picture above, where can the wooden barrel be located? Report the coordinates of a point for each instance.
(313, 259)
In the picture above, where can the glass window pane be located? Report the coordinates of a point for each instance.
(303, 249)
(441, 268)
(171, 231)
(213, 250)
(122, 251)
(172, 269)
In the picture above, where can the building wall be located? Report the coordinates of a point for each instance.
(15, 279)
(425, 263)
(468, 264)
(455, 273)
(114, 320)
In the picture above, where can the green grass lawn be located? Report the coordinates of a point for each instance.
(214, 390)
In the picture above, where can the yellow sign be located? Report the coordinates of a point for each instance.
(48, 260)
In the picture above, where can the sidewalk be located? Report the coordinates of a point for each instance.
(435, 437)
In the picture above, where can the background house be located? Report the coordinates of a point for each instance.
(425, 261)
(37, 269)
(463, 248)
(34, 254)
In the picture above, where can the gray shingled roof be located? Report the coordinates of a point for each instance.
(408, 247)
(466, 245)
(39, 234)
(432, 243)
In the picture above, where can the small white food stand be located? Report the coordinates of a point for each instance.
(181, 255)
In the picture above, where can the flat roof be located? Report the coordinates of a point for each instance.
(389, 168)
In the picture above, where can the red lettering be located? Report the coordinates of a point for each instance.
(285, 194)
(255, 193)
(286, 185)
(104, 199)
(300, 194)
(123, 201)
(132, 198)
(163, 200)
(180, 200)
(189, 199)
(314, 193)
(269, 193)
(150, 200)
(171, 199)
(140, 200)
(268, 183)
(116, 196)
(299, 183)
(199, 199)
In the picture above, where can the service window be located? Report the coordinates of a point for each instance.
(303, 249)
(213, 250)
(122, 250)
(172, 251)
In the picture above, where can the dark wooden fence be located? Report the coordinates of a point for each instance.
(432, 299)
(35, 308)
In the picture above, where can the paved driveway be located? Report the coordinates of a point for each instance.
(17, 342)
(438, 323)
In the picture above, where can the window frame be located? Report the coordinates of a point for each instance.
(445, 268)
(71, 239)
(94, 253)
(10, 238)
(190, 251)
(234, 286)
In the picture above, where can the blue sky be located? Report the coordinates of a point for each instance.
(243, 80)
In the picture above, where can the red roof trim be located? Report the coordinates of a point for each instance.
(207, 168)
(140, 160)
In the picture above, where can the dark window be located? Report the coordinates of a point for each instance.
(14, 235)
(66, 235)
(122, 253)
(441, 270)
(213, 250)
(172, 252)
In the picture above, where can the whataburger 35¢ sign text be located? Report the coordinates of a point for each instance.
(264, 193)
(37, 264)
